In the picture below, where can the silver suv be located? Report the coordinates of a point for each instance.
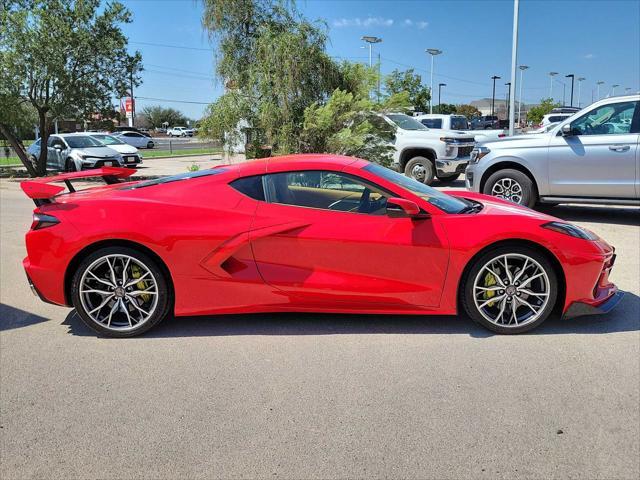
(591, 157)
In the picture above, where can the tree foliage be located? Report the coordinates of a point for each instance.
(65, 58)
(411, 83)
(467, 110)
(157, 115)
(545, 106)
(445, 109)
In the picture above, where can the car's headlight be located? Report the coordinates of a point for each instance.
(571, 230)
(477, 153)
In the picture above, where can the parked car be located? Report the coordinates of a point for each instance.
(73, 152)
(485, 122)
(591, 157)
(130, 155)
(425, 154)
(132, 129)
(459, 122)
(180, 132)
(554, 118)
(327, 234)
(136, 139)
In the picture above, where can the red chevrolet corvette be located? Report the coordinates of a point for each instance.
(304, 233)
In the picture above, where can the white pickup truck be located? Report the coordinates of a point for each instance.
(424, 154)
(460, 122)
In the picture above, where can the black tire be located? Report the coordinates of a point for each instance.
(448, 178)
(467, 284)
(427, 166)
(70, 165)
(150, 145)
(162, 308)
(529, 194)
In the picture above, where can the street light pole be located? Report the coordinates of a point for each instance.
(508, 84)
(514, 62)
(493, 96)
(551, 75)
(598, 91)
(433, 52)
(572, 77)
(613, 89)
(580, 80)
(522, 69)
(371, 40)
(440, 85)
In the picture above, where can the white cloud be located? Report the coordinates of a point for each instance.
(589, 56)
(418, 24)
(422, 24)
(363, 22)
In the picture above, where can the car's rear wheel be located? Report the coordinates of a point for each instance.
(150, 145)
(448, 178)
(120, 292)
(70, 165)
(420, 169)
(510, 289)
(512, 185)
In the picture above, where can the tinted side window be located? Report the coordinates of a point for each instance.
(250, 186)
(612, 119)
(327, 190)
(432, 122)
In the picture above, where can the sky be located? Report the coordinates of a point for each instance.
(595, 39)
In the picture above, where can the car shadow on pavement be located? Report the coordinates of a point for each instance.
(595, 214)
(625, 318)
(11, 317)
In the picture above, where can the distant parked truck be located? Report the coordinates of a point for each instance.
(485, 122)
(460, 123)
(180, 132)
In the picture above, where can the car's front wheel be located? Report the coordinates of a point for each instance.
(150, 145)
(510, 289)
(420, 169)
(512, 185)
(120, 292)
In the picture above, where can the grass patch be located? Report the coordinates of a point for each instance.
(9, 161)
(147, 153)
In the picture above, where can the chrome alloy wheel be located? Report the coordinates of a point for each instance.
(419, 172)
(511, 290)
(119, 292)
(507, 188)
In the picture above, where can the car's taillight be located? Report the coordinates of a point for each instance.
(40, 221)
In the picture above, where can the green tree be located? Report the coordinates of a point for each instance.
(157, 115)
(445, 108)
(64, 58)
(410, 82)
(468, 111)
(545, 106)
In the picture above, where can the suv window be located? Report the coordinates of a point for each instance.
(432, 122)
(459, 123)
(611, 119)
(326, 190)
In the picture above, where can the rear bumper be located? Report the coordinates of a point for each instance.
(579, 309)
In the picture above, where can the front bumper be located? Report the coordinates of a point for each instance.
(452, 166)
(472, 178)
(579, 309)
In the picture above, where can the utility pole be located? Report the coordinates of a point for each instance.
(572, 77)
(440, 85)
(371, 40)
(514, 63)
(493, 96)
(433, 52)
(580, 80)
(551, 75)
(133, 104)
(508, 84)
(379, 75)
(598, 92)
(522, 69)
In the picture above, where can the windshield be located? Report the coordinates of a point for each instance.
(441, 200)
(459, 123)
(108, 139)
(82, 141)
(406, 122)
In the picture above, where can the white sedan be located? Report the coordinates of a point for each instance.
(136, 139)
(130, 154)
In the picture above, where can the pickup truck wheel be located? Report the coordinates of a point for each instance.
(420, 169)
(512, 185)
(448, 178)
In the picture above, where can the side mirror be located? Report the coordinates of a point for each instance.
(566, 130)
(403, 208)
(57, 147)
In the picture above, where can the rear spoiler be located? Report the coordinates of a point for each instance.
(41, 191)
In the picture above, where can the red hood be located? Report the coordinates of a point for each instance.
(498, 206)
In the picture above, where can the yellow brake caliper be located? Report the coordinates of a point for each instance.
(489, 281)
(142, 284)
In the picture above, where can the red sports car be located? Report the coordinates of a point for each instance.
(304, 233)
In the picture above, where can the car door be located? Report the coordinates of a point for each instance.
(597, 158)
(324, 237)
(56, 156)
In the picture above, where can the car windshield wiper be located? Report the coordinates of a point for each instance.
(473, 207)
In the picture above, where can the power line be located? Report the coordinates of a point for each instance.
(164, 45)
(174, 74)
(172, 100)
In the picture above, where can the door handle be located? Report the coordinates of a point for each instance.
(619, 148)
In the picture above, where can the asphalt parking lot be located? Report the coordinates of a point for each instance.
(319, 396)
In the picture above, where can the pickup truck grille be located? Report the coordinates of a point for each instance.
(464, 151)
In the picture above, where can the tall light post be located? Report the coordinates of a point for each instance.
(627, 90)
(613, 89)
(598, 90)
(508, 84)
(572, 77)
(493, 96)
(440, 85)
(522, 69)
(371, 40)
(551, 75)
(514, 63)
(580, 80)
(433, 52)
